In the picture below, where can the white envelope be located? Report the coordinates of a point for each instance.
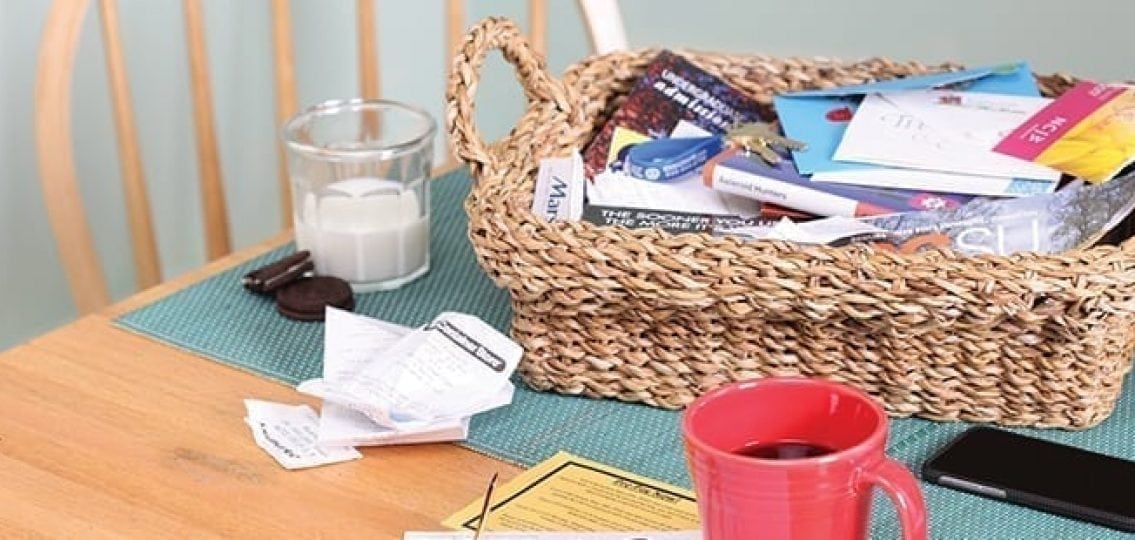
(934, 130)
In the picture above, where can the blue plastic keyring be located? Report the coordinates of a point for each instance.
(666, 159)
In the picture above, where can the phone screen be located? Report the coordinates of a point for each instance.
(1015, 463)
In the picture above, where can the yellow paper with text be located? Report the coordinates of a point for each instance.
(569, 493)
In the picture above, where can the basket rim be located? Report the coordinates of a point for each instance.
(573, 75)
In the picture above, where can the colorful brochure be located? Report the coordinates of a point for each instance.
(819, 117)
(1088, 132)
(671, 90)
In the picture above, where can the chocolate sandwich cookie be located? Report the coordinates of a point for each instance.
(307, 299)
(270, 278)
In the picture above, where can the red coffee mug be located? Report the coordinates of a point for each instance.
(825, 497)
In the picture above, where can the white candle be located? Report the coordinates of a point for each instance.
(364, 230)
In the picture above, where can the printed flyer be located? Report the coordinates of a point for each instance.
(1088, 132)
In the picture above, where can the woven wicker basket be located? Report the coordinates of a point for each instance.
(646, 316)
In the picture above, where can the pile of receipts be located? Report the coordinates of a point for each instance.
(387, 384)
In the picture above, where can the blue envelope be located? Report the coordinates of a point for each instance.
(818, 118)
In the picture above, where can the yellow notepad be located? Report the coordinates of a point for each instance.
(569, 493)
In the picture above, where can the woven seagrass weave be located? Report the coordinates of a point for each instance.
(643, 315)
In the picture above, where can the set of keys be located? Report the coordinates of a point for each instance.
(662, 160)
(761, 139)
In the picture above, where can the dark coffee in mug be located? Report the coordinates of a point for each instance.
(789, 449)
(752, 474)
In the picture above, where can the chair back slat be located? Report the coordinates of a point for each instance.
(368, 50)
(144, 246)
(604, 25)
(284, 72)
(55, 152)
(538, 25)
(209, 163)
(454, 35)
(454, 28)
(56, 156)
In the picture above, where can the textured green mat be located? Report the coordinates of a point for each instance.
(217, 319)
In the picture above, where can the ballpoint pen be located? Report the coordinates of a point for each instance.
(486, 507)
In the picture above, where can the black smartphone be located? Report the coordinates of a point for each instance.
(1039, 474)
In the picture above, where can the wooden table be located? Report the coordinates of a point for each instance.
(105, 433)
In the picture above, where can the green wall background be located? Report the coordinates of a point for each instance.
(1089, 38)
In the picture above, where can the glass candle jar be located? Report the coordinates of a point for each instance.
(360, 172)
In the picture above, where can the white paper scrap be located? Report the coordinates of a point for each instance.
(686, 194)
(559, 188)
(350, 341)
(820, 231)
(289, 434)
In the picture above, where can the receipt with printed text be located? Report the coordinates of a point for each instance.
(288, 433)
(452, 368)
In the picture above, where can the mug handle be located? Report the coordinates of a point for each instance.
(902, 487)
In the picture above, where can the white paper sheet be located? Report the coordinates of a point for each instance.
(940, 131)
(687, 194)
(289, 433)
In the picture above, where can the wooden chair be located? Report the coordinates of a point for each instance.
(53, 126)
(604, 25)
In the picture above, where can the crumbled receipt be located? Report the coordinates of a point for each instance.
(289, 433)
(569, 493)
(388, 384)
(453, 367)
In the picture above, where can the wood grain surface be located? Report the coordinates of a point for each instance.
(105, 433)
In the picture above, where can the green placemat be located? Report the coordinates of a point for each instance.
(218, 319)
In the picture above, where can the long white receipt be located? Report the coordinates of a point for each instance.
(453, 367)
(465, 535)
(388, 384)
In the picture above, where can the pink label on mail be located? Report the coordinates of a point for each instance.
(1052, 122)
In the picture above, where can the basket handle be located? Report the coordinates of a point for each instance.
(532, 74)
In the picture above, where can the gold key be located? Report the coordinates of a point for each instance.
(760, 138)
